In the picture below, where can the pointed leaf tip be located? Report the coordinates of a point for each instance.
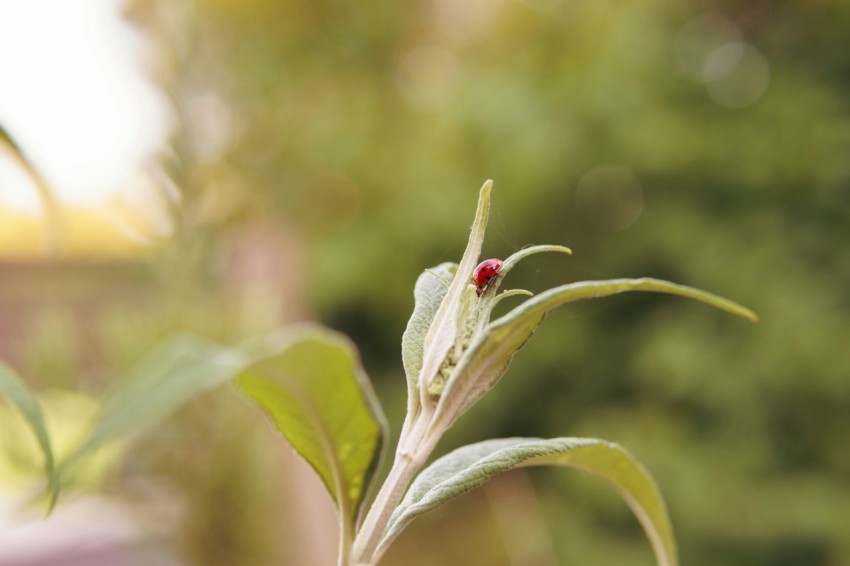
(515, 258)
(318, 397)
(490, 354)
(471, 466)
(443, 330)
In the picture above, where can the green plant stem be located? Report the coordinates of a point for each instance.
(345, 543)
(411, 454)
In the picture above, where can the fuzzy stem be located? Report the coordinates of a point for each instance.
(411, 454)
(345, 542)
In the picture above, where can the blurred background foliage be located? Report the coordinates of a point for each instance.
(324, 153)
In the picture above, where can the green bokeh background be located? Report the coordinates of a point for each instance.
(358, 134)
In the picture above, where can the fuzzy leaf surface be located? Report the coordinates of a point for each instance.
(442, 333)
(428, 293)
(471, 466)
(490, 354)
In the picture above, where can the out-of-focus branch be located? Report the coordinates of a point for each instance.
(54, 221)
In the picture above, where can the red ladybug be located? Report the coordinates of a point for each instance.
(486, 271)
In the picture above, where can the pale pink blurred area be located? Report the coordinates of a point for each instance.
(88, 531)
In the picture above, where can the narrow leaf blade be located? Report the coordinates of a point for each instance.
(511, 262)
(17, 393)
(443, 330)
(320, 400)
(471, 466)
(594, 289)
(515, 258)
(174, 373)
(489, 355)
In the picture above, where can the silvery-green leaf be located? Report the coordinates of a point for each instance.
(428, 293)
(515, 258)
(491, 299)
(443, 331)
(17, 393)
(491, 352)
(511, 293)
(471, 466)
(318, 397)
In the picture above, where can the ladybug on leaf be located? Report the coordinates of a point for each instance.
(486, 271)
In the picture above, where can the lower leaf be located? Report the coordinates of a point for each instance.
(471, 466)
(319, 398)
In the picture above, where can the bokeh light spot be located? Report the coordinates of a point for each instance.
(463, 22)
(736, 75)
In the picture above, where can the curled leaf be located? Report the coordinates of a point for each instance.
(512, 293)
(515, 258)
(491, 299)
(471, 466)
(490, 354)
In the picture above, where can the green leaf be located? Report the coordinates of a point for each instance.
(177, 371)
(428, 293)
(471, 466)
(443, 331)
(491, 299)
(515, 258)
(490, 354)
(17, 393)
(319, 398)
